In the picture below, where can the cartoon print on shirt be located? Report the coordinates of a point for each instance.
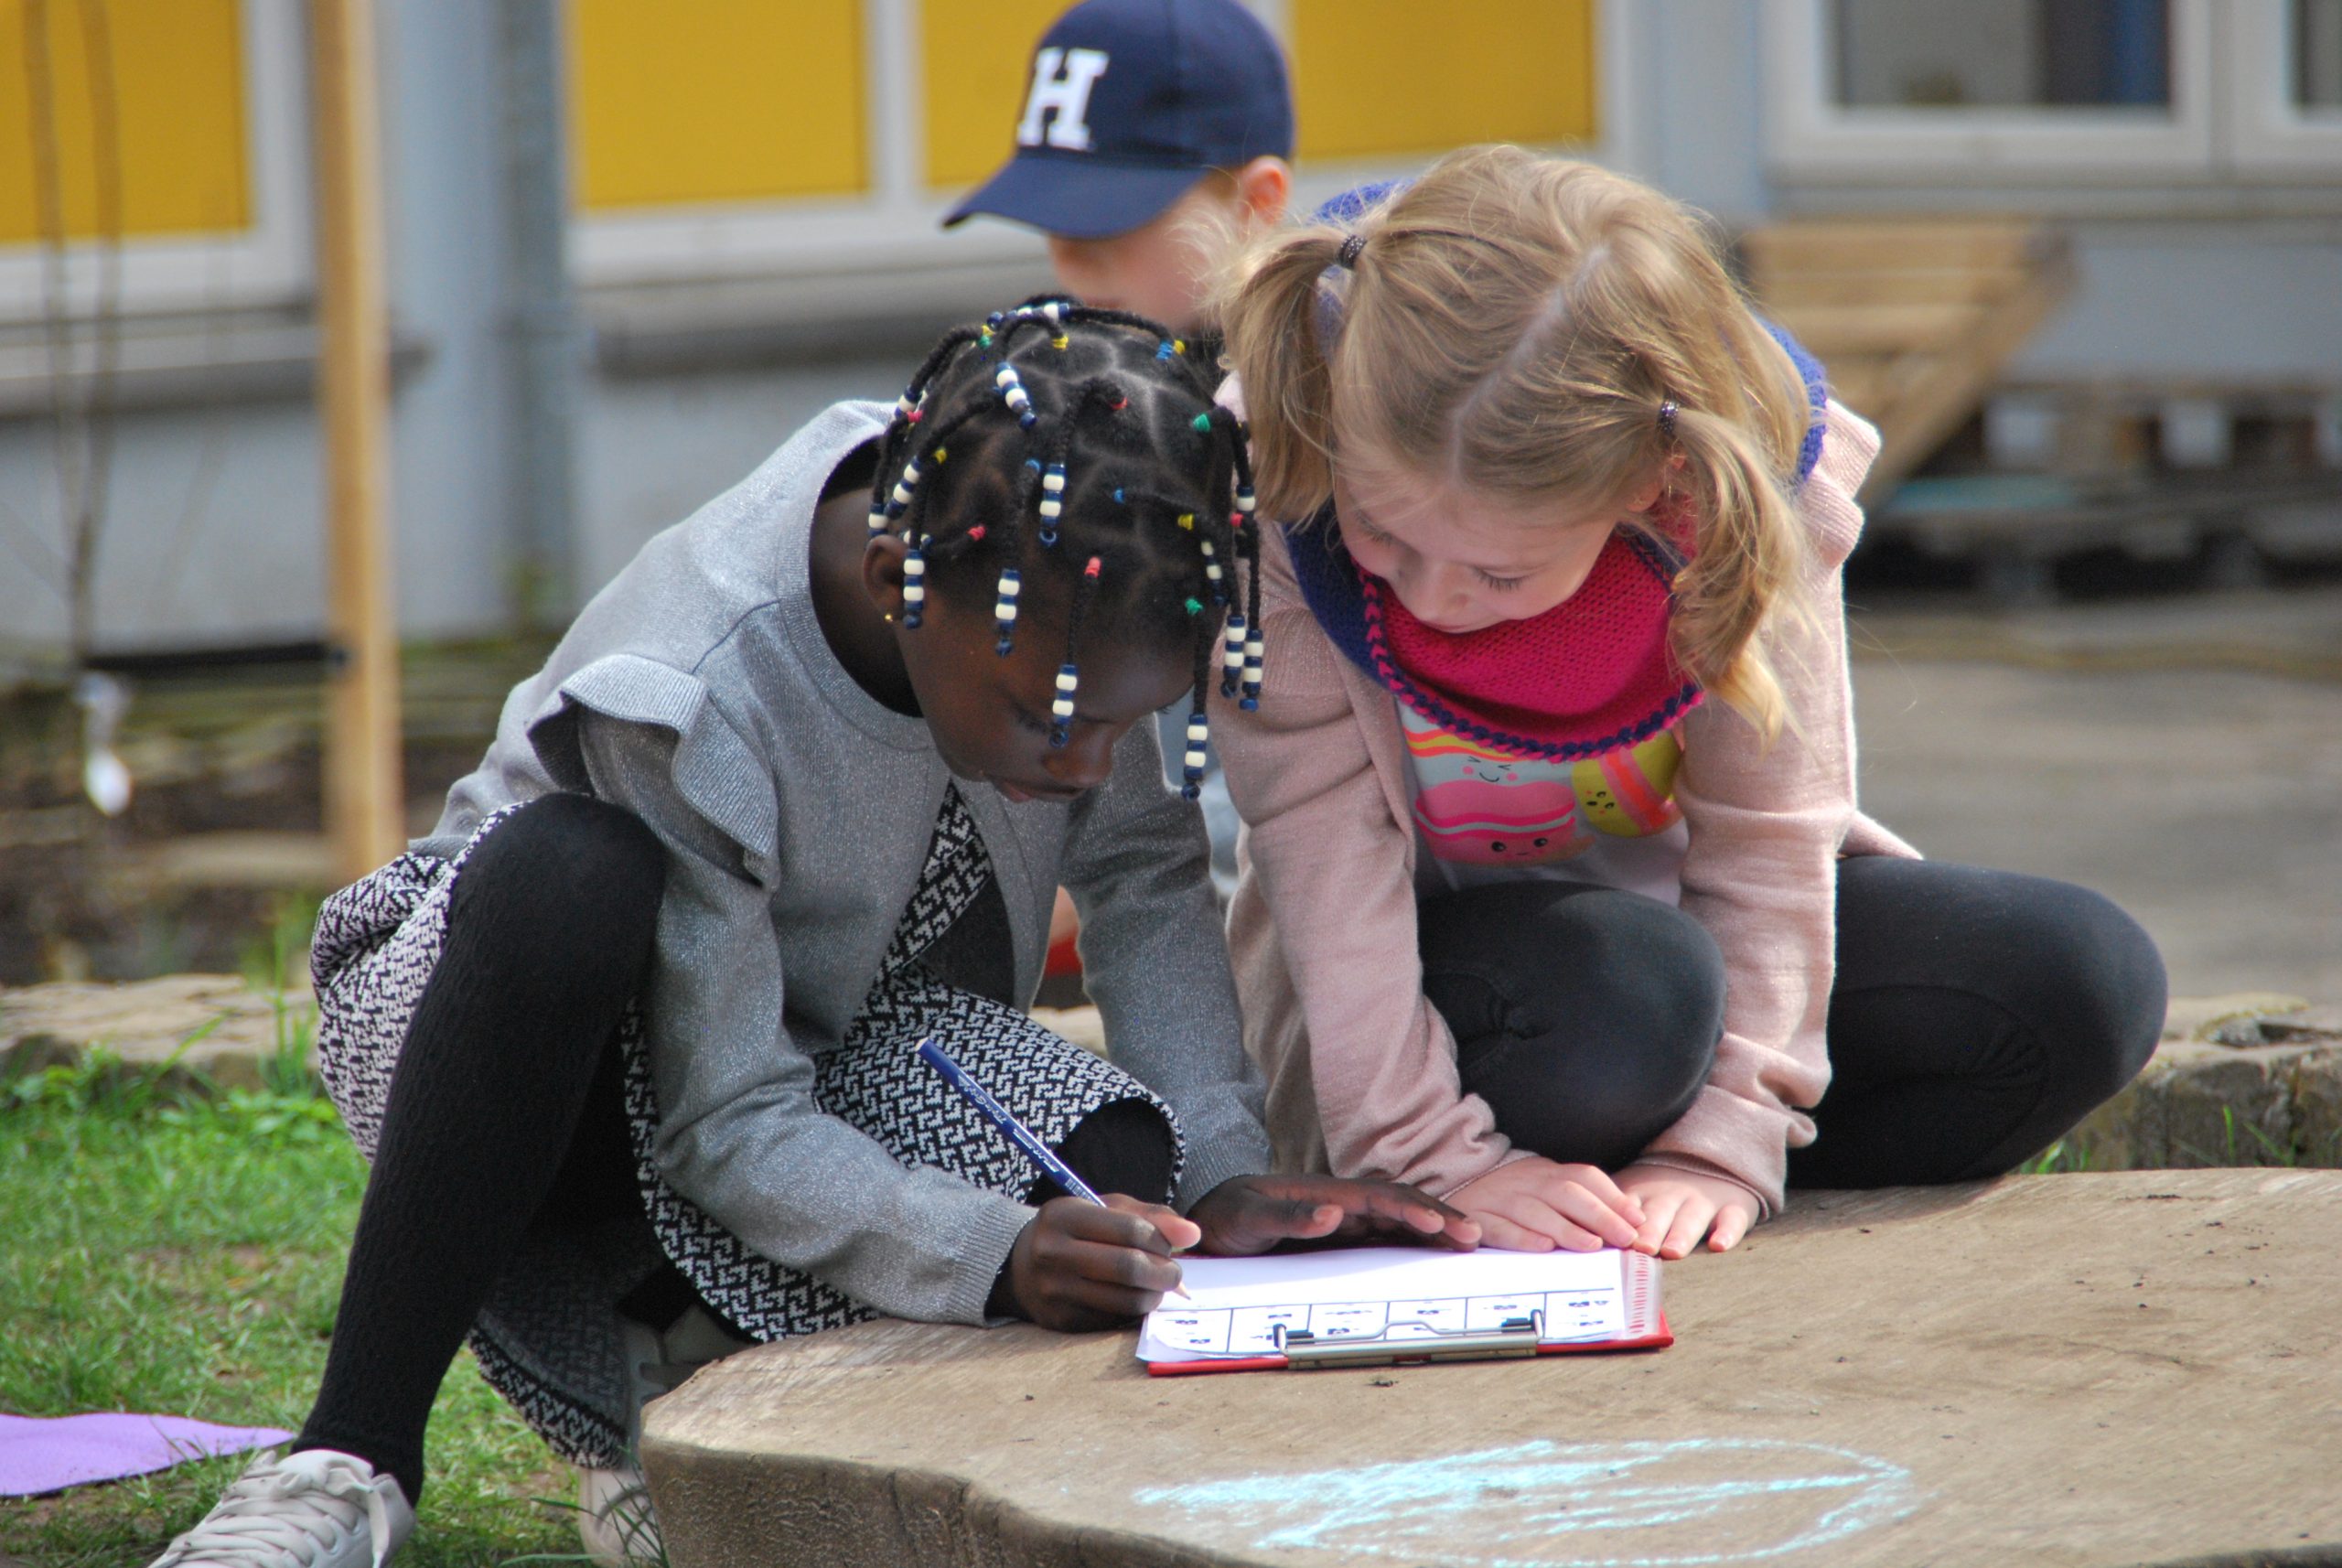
(1630, 792)
(1480, 807)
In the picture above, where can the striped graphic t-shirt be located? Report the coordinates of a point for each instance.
(1483, 816)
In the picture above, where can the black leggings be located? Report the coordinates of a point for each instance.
(506, 1115)
(1976, 1015)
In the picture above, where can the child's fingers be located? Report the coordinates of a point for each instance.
(1178, 1231)
(1657, 1215)
(1552, 1223)
(1589, 1210)
(1690, 1224)
(1731, 1225)
(1496, 1231)
(1270, 1217)
(1596, 1180)
(1382, 1205)
(1124, 1267)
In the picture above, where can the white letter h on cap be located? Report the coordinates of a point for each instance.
(1064, 94)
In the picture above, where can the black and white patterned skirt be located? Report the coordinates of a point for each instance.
(550, 1338)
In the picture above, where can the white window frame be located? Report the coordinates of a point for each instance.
(267, 264)
(1812, 138)
(886, 242)
(2276, 138)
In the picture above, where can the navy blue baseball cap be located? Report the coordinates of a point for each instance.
(1128, 103)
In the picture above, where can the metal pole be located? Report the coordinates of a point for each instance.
(542, 320)
(364, 806)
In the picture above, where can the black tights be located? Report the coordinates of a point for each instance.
(506, 1115)
(1976, 1015)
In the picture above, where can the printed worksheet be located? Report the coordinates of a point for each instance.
(1244, 1307)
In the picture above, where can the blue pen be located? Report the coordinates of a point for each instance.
(1030, 1145)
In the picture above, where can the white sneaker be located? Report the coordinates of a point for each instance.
(614, 1518)
(315, 1508)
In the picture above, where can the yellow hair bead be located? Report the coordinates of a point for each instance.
(1060, 341)
(1187, 521)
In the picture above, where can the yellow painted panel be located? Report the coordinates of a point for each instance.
(1372, 77)
(715, 100)
(175, 103)
(979, 56)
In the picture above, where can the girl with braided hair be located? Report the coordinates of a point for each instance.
(1558, 904)
(629, 1035)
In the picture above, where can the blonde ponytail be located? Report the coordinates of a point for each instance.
(1270, 311)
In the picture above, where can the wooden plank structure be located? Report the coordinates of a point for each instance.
(1913, 317)
(2088, 1370)
(364, 803)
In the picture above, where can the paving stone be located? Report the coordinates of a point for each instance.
(2198, 1104)
(2086, 1370)
(2196, 1017)
(234, 1028)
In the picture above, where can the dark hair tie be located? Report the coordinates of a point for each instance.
(1667, 412)
(1348, 255)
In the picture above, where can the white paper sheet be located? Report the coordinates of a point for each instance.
(1391, 1293)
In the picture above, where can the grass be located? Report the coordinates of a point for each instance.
(168, 1252)
(2057, 1159)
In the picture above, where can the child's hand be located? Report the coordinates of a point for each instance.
(1680, 1206)
(1536, 1205)
(1251, 1214)
(1077, 1266)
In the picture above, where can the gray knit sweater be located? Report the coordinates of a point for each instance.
(697, 691)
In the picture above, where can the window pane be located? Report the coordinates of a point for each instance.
(163, 119)
(715, 100)
(1376, 78)
(2003, 53)
(2317, 54)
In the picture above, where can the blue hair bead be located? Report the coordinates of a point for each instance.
(914, 586)
(1004, 610)
(1191, 768)
(1061, 705)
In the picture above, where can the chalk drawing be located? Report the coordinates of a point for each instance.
(1552, 1505)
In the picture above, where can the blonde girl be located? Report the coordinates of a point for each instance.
(1557, 903)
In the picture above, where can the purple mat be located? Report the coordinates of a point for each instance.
(37, 1456)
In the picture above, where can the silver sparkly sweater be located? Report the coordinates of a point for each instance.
(697, 691)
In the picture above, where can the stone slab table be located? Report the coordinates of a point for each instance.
(2119, 1368)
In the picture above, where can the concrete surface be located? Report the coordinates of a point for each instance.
(2075, 1370)
(2145, 750)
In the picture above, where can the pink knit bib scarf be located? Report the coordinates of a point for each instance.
(1590, 675)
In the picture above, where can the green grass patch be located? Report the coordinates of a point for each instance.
(183, 1255)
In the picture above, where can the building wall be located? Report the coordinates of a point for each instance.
(722, 327)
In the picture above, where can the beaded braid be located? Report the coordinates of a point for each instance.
(1199, 737)
(1068, 674)
(1242, 650)
(1220, 545)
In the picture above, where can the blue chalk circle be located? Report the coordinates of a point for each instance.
(1563, 1505)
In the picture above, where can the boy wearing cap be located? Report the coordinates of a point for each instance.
(1148, 125)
